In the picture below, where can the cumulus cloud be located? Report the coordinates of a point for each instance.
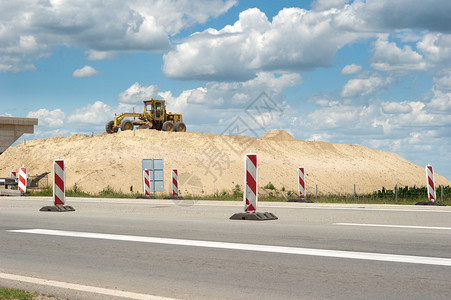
(385, 125)
(97, 113)
(302, 40)
(389, 57)
(436, 47)
(29, 29)
(328, 4)
(351, 69)
(137, 93)
(296, 39)
(361, 87)
(54, 118)
(387, 15)
(86, 71)
(396, 107)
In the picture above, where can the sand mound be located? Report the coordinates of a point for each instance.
(278, 135)
(209, 163)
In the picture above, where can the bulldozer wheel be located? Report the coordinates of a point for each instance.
(126, 125)
(109, 127)
(168, 126)
(180, 127)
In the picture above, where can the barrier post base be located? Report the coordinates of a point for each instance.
(146, 197)
(174, 197)
(431, 203)
(300, 200)
(254, 216)
(57, 208)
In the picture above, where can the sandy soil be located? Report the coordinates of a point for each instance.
(209, 163)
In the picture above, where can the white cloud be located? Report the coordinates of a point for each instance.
(360, 87)
(396, 107)
(441, 103)
(29, 29)
(436, 47)
(386, 15)
(212, 107)
(403, 127)
(296, 39)
(441, 100)
(327, 4)
(100, 55)
(302, 40)
(97, 113)
(53, 119)
(137, 93)
(86, 71)
(388, 57)
(351, 69)
(443, 83)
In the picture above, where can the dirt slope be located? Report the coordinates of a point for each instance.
(211, 162)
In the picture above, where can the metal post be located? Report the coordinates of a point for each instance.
(153, 175)
(396, 193)
(316, 192)
(354, 191)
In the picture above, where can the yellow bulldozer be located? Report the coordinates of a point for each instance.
(153, 117)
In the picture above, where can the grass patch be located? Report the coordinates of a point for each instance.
(406, 195)
(16, 294)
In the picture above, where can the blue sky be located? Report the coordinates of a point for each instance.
(372, 73)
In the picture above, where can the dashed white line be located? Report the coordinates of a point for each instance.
(394, 226)
(80, 287)
(249, 247)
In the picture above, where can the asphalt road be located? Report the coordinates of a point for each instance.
(143, 249)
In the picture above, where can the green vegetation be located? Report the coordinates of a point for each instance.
(269, 186)
(107, 192)
(16, 294)
(406, 195)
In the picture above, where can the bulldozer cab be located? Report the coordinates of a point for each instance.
(159, 110)
(156, 109)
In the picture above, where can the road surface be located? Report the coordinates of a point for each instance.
(139, 249)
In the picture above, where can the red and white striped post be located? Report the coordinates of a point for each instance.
(301, 182)
(250, 195)
(13, 175)
(430, 183)
(59, 178)
(146, 175)
(23, 180)
(175, 182)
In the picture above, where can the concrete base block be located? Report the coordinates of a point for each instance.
(431, 203)
(300, 200)
(58, 208)
(255, 216)
(7, 192)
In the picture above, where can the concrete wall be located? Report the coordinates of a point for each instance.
(12, 128)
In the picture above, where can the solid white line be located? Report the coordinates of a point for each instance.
(394, 226)
(249, 247)
(83, 288)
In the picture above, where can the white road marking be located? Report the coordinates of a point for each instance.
(394, 226)
(249, 247)
(83, 288)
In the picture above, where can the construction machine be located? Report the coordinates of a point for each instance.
(153, 117)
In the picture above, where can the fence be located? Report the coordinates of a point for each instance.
(389, 195)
